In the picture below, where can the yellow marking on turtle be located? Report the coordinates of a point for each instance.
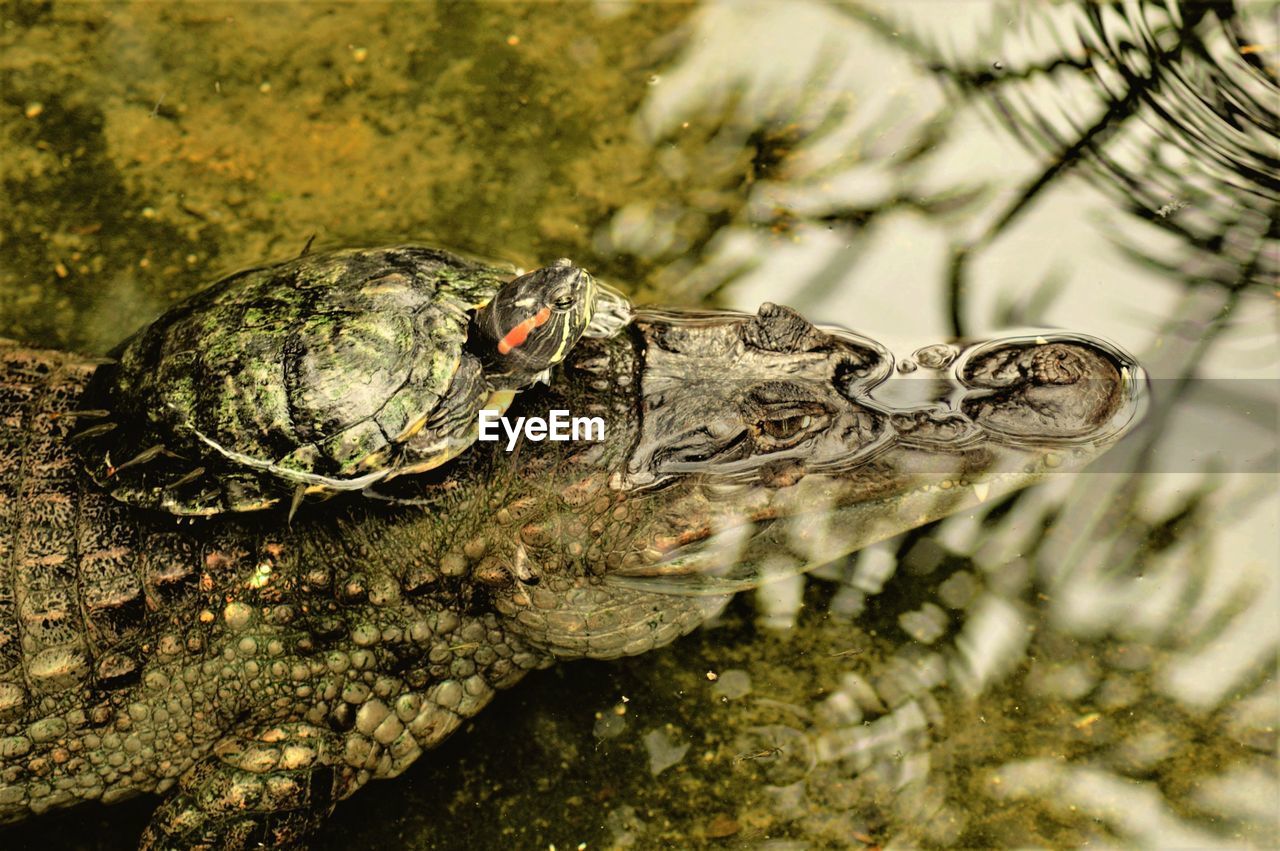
(411, 429)
(499, 401)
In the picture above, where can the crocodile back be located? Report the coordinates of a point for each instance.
(132, 641)
(72, 574)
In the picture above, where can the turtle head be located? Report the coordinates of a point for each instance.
(534, 320)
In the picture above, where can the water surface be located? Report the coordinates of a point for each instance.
(1092, 662)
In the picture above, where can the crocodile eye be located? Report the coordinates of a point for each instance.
(786, 429)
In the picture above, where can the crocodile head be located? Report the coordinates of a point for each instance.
(737, 448)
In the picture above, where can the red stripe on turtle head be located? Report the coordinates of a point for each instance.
(517, 335)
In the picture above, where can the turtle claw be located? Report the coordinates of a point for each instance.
(185, 479)
(373, 493)
(146, 455)
(299, 494)
(94, 431)
(88, 414)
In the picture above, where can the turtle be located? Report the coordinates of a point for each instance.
(327, 373)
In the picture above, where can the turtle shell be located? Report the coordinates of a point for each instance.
(310, 371)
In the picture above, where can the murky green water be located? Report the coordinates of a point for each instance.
(1051, 673)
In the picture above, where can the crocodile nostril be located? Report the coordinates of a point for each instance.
(1053, 390)
(1057, 364)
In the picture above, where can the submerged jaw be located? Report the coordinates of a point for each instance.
(825, 518)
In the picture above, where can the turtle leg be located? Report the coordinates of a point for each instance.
(267, 790)
(299, 494)
(372, 492)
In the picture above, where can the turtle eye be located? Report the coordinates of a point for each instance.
(562, 298)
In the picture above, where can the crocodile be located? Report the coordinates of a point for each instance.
(256, 671)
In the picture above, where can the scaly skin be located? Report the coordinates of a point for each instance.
(259, 673)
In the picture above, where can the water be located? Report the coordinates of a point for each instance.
(1091, 662)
